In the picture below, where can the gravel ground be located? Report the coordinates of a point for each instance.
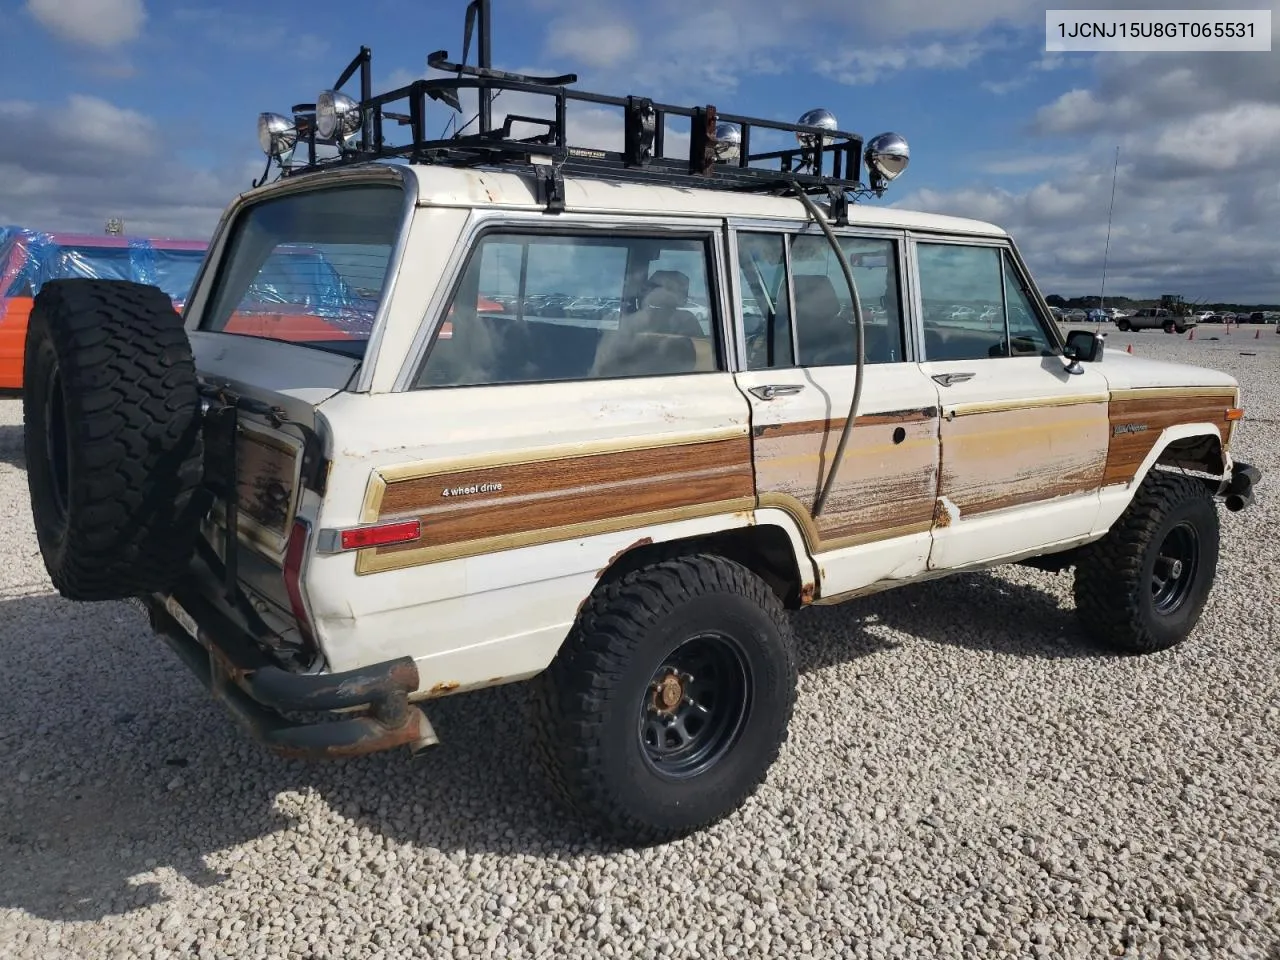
(966, 777)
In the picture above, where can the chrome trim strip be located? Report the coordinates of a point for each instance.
(733, 291)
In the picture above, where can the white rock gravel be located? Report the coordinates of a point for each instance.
(966, 777)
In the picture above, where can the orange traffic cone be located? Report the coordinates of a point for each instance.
(1257, 334)
(1129, 349)
(1192, 334)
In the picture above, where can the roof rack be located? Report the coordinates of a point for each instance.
(826, 160)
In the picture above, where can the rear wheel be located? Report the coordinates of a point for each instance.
(112, 437)
(670, 699)
(1171, 327)
(1143, 586)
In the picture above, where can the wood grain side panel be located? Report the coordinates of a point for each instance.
(524, 499)
(264, 480)
(1136, 426)
(882, 487)
(994, 461)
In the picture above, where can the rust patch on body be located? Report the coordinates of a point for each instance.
(444, 686)
(642, 542)
(807, 590)
(941, 518)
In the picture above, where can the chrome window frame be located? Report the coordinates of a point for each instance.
(1001, 244)
(483, 221)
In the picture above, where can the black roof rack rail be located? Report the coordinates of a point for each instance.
(825, 160)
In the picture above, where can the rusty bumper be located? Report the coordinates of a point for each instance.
(363, 711)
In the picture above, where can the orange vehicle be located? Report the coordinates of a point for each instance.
(303, 296)
(29, 258)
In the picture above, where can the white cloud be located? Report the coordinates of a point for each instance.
(96, 23)
(73, 166)
(602, 44)
(253, 33)
(871, 65)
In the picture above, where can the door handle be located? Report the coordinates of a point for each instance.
(947, 379)
(772, 390)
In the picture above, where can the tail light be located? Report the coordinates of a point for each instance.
(367, 535)
(294, 557)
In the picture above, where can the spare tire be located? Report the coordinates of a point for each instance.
(112, 436)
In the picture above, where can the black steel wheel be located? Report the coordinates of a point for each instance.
(1143, 586)
(669, 700)
(692, 712)
(1174, 572)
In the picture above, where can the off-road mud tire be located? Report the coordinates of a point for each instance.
(588, 703)
(1113, 580)
(112, 437)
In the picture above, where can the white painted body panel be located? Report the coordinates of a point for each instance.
(1127, 371)
(471, 619)
(1027, 450)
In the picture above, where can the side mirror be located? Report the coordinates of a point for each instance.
(1084, 345)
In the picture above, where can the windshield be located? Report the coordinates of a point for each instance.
(309, 268)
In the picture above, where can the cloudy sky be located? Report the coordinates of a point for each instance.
(146, 110)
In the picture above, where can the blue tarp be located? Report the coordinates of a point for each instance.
(29, 258)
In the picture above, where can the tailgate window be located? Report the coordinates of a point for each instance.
(309, 268)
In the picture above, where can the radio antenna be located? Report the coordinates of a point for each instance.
(1106, 253)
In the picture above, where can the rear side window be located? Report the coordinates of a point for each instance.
(309, 268)
(536, 308)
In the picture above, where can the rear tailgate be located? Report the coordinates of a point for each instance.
(261, 428)
(280, 319)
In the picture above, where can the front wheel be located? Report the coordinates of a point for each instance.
(1143, 586)
(670, 700)
(1125, 326)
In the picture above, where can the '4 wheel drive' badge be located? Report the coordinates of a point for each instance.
(469, 491)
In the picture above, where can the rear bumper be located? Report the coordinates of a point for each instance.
(367, 709)
(1239, 490)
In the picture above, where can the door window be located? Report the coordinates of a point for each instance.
(825, 331)
(536, 308)
(976, 306)
(765, 300)
(1027, 335)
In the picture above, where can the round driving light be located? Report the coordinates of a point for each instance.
(887, 155)
(728, 141)
(337, 115)
(817, 117)
(276, 134)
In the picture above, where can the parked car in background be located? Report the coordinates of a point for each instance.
(1156, 318)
